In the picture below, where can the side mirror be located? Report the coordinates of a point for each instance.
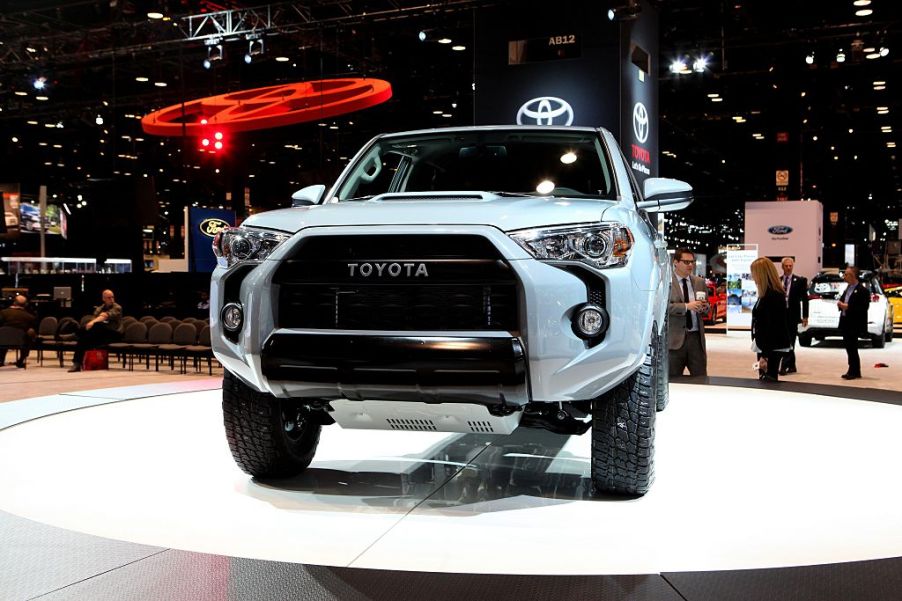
(310, 195)
(663, 194)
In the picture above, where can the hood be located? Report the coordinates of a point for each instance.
(505, 213)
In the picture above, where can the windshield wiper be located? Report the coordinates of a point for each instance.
(512, 194)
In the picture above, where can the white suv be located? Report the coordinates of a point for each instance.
(825, 290)
(454, 280)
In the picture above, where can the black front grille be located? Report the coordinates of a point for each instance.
(403, 283)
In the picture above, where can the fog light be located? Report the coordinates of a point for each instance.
(590, 321)
(232, 317)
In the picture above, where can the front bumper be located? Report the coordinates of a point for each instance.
(543, 360)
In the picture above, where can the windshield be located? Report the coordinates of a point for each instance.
(555, 163)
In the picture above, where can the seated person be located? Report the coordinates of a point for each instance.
(100, 331)
(17, 316)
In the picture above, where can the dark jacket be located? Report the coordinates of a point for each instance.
(115, 315)
(17, 318)
(856, 318)
(797, 307)
(769, 322)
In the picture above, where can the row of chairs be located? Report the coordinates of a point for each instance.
(172, 340)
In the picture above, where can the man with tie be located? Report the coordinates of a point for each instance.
(853, 318)
(796, 289)
(686, 330)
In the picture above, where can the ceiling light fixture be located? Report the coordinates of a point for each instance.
(840, 57)
(160, 84)
(459, 47)
(700, 64)
(627, 12)
(141, 78)
(154, 15)
(214, 53)
(445, 40)
(254, 48)
(39, 83)
(861, 2)
(422, 35)
(98, 120)
(282, 59)
(884, 51)
(20, 93)
(864, 12)
(871, 56)
(809, 59)
(678, 66)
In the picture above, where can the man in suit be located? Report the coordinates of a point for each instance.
(853, 319)
(796, 289)
(17, 316)
(686, 329)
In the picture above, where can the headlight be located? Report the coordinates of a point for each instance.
(234, 245)
(599, 246)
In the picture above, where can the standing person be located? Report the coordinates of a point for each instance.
(101, 330)
(17, 316)
(853, 319)
(769, 333)
(796, 291)
(686, 331)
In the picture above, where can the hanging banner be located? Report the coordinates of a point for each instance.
(741, 291)
(11, 219)
(639, 92)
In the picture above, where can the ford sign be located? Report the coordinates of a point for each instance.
(779, 230)
(211, 227)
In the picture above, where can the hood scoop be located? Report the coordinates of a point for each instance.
(443, 197)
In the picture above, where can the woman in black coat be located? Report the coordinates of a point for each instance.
(769, 332)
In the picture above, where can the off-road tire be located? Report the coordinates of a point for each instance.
(879, 341)
(623, 435)
(804, 340)
(255, 425)
(661, 366)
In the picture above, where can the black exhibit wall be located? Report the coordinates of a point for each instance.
(541, 63)
(567, 63)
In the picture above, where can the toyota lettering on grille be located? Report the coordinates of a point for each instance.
(392, 270)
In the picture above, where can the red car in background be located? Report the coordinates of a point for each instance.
(717, 302)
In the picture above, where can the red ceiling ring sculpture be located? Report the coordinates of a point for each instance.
(272, 106)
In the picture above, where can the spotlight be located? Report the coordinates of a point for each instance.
(625, 13)
(700, 64)
(422, 35)
(884, 51)
(254, 48)
(40, 83)
(98, 120)
(678, 66)
(840, 57)
(214, 53)
(809, 59)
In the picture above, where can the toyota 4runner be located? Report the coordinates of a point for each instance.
(470, 280)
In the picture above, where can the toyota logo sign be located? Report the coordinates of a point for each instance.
(640, 122)
(546, 110)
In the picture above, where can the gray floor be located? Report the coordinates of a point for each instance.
(42, 562)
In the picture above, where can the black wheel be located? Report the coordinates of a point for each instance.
(623, 435)
(661, 366)
(268, 437)
(878, 341)
(805, 339)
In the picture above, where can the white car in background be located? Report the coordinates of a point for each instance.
(825, 290)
